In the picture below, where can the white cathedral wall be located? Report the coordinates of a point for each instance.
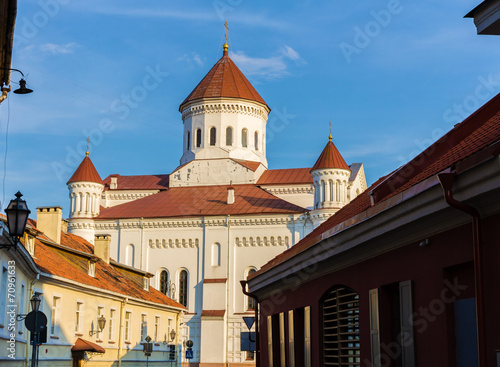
(300, 194)
(116, 197)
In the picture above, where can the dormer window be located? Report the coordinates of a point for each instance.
(146, 284)
(30, 245)
(92, 268)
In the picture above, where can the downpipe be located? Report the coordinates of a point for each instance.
(447, 180)
(257, 336)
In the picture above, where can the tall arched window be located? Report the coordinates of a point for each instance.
(188, 140)
(229, 136)
(340, 327)
(212, 136)
(198, 138)
(256, 138)
(330, 186)
(323, 191)
(130, 255)
(215, 254)
(244, 138)
(251, 301)
(164, 281)
(183, 287)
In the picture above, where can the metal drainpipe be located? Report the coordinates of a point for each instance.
(447, 180)
(257, 336)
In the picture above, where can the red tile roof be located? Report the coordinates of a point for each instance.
(56, 260)
(86, 172)
(140, 182)
(82, 345)
(251, 165)
(201, 201)
(224, 80)
(289, 176)
(477, 132)
(330, 158)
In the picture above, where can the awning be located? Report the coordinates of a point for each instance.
(82, 345)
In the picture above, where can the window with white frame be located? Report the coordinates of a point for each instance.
(183, 287)
(144, 326)
(157, 328)
(111, 324)
(3, 294)
(56, 316)
(79, 317)
(128, 323)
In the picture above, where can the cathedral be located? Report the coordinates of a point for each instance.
(218, 217)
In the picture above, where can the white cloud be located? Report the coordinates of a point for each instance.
(269, 68)
(192, 59)
(58, 49)
(290, 53)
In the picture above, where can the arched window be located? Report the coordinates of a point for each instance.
(340, 327)
(244, 138)
(130, 255)
(251, 301)
(198, 138)
(164, 282)
(183, 287)
(212, 136)
(229, 136)
(330, 186)
(215, 254)
(337, 191)
(323, 191)
(188, 140)
(256, 138)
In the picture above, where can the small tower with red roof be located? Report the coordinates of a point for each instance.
(331, 179)
(85, 190)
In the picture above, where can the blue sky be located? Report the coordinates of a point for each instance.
(392, 76)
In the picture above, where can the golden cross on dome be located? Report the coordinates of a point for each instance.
(330, 137)
(225, 47)
(88, 142)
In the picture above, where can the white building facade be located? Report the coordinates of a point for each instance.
(220, 215)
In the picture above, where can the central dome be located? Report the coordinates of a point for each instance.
(224, 80)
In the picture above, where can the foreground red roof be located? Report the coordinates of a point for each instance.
(289, 176)
(330, 158)
(478, 132)
(86, 172)
(224, 80)
(201, 201)
(140, 182)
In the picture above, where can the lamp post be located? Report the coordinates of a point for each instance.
(172, 350)
(17, 217)
(35, 306)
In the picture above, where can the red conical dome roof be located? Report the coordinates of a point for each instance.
(330, 158)
(224, 80)
(86, 172)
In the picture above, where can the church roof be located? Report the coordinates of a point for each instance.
(288, 176)
(330, 158)
(224, 80)
(478, 135)
(86, 172)
(202, 201)
(139, 182)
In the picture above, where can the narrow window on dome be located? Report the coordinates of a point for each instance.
(198, 138)
(256, 140)
(244, 138)
(188, 140)
(212, 136)
(229, 136)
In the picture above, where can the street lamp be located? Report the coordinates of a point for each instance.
(172, 334)
(101, 323)
(17, 217)
(35, 302)
(22, 83)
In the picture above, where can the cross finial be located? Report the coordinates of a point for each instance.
(225, 47)
(88, 142)
(330, 137)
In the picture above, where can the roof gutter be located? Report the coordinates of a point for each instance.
(447, 180)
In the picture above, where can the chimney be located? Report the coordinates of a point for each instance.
(114, 183)
(49, 221)
(102, 244)
(230, 195)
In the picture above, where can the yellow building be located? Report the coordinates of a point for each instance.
(79, 284)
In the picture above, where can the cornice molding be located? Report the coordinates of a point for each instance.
(225, 107)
